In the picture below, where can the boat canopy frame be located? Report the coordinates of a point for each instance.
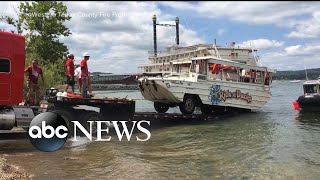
(215, 60)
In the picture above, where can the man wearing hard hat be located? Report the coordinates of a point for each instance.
(77, 75)
(70, 72)
(85, 76)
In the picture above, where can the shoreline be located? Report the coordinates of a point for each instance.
(12, 172)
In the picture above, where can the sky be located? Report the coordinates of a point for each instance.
(118, 35)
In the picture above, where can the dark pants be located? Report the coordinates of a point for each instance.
(70, 81)
(84, 86)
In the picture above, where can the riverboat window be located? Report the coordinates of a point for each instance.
(310, 89)
(180, 68)
(193, 67)
(234, 55)
(175, 68)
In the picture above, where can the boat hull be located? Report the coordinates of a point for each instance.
(309, 103)
(219, 93)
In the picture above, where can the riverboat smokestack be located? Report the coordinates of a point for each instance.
(154, 19)
(177, 30)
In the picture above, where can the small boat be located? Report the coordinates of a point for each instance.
(310, 101)
(295, 81)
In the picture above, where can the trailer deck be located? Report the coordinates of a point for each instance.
(171, 116)
(122, 109)
(93, 109)
(110, 109)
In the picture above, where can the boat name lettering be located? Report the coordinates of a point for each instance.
(224, 94)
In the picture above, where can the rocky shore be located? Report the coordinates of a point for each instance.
(11, 172)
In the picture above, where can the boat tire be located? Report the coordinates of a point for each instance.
(161, 107)
(188, 105)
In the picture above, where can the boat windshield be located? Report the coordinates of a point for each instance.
(199, 66)
(310, 89)
(238, 74)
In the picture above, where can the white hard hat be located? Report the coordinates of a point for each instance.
(86, 54)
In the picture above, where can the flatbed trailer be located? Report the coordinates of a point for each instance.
(92, 109)
(71, 109)
(154, 116)
(109, 109)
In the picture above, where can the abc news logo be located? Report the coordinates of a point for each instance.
(49, 131)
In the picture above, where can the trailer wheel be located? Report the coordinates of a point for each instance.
(92, 116)
(188, 105)
(68, 117)
(161, 107)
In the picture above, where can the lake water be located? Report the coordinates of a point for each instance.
(275, 142)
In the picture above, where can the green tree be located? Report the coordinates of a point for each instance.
(42, 23)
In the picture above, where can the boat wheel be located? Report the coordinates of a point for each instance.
(188, 105)
(161, 107)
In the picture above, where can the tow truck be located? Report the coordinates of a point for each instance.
(12, 64)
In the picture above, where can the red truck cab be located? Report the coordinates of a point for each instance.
(12, 61)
